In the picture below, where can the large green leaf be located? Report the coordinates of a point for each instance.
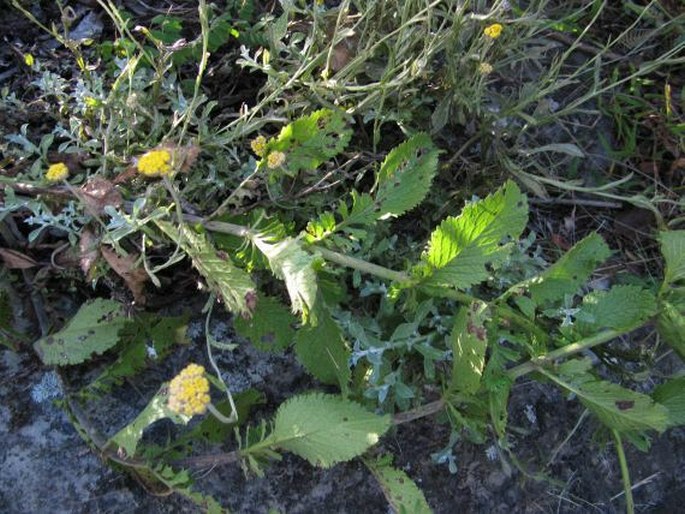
(323, 352)
(325, 429)
(234, 285)
(469, 342)
(295, 266)
(271, 326)
(566, 275)
(402, 493)
(94, 329)
(461, 248)
(618, 408)
(406, 176)
(673, 249)
(671, 394)
(620, 308)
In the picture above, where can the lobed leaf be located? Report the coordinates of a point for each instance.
(94, 329)
(325, 429)
(461, 248)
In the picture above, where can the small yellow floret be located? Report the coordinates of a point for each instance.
(485, 68)
(155, 163)
(189, 391)
(57, 172)
(493, 31)
(275, 159)
(258, 145)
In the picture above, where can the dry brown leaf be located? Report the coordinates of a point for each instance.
(17, 260)
(88, 246)
(98, 193)
(125, 267)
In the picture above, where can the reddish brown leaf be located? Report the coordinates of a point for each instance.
(98, 193)
(125, 267)
(17, 260)
(88, 246)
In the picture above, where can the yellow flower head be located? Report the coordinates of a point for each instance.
(493, 31)
(275, 159)
(258, 145)
(189, 391)
(485, 68)
(155, 163)
(57, 172)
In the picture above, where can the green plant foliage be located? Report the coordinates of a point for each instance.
(671, 319)
(323, 352)
(233, 284)
(405, 176)
(295, 266)
(402, 493)
(94, 329)
(270, 328)
(671, 394)
(461, 248)
(325, 429)
(128, 437)
(673, 250)
(620, 308)
(468, 341)
(310, 141)
(618, 408)
(147, 339)
(572, 270)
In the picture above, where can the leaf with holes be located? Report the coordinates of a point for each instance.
(325, 429)
(93, 330)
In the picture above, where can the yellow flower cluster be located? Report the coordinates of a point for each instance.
(189, 391)
(57, 172)
(493, 31)
(258, 145)
(155, 163)
(275, 159)
(485, 68)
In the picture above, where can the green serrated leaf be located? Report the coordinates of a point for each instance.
(271, 326)
(618, 408)
(402, 493)
(673, 250)
(325, 429)
(94, 329)
(406, 176)
(566, 275)
(323, 352)
(469, 342)
(671, 394)
(461, 248)
(620, 308)
(292, 264)
(234, 285)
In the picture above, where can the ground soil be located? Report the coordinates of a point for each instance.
(563, 465)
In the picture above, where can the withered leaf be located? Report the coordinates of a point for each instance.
(17, 260)
(88, 250)
(98, 193)
(125, 267)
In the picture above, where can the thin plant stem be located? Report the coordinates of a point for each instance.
(625, 475)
